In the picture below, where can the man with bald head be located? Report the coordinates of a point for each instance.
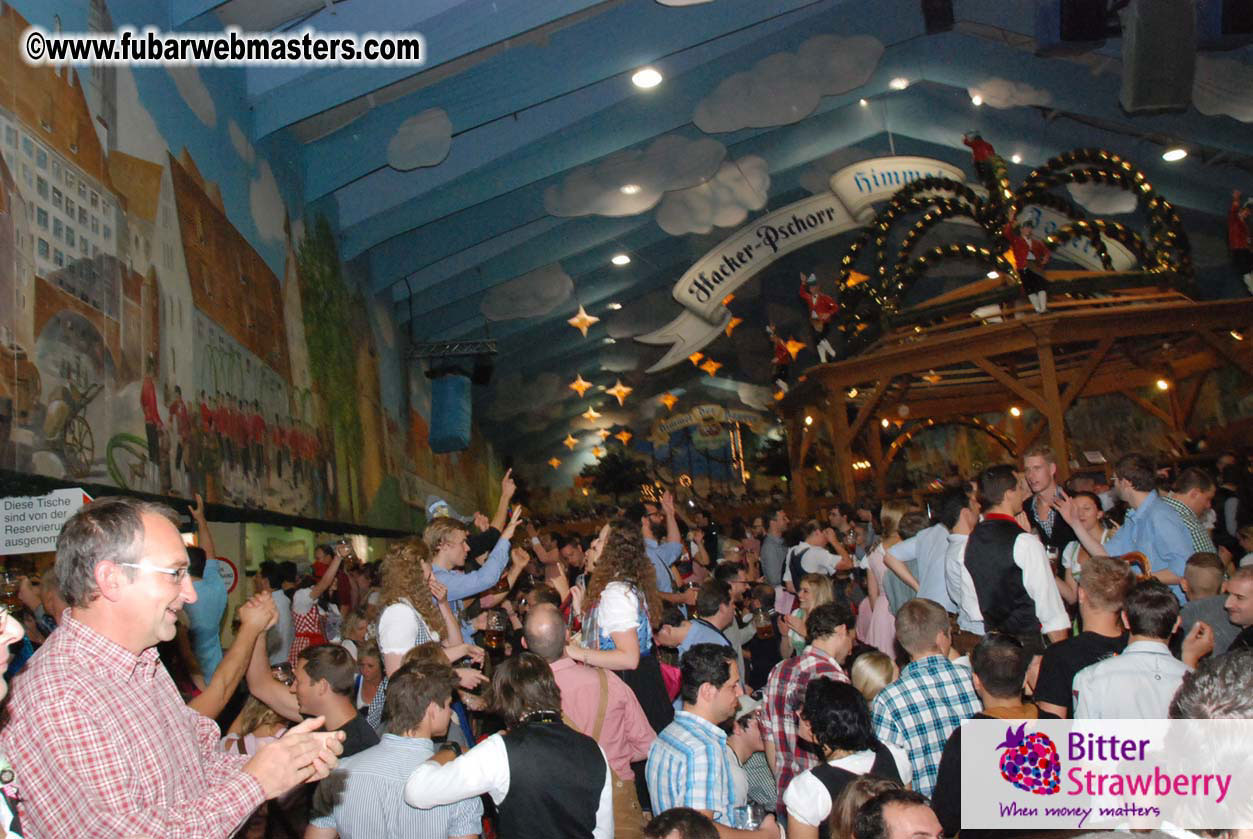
(599, 704)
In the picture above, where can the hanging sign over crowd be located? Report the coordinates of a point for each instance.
(849, 206)
(30, 524)
(708, 418)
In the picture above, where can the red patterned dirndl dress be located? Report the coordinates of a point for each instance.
(307, 632)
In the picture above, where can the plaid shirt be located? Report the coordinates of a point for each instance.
(785, 694)
(103, 747)
(919, 711)
(689, 766)
(1201, 541)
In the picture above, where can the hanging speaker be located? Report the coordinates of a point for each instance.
(483, 367)
(937, 15)
(450, 413)
(1158, 55)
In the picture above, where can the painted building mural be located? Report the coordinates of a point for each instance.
(168, 325)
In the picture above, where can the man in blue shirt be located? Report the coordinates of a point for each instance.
(446, 537)
(664, 554)
(1151, 527)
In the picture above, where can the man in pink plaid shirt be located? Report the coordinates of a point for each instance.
(100, 740)
(831, 637)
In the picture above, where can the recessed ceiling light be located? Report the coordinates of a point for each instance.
(899, 83)
(646, 78)
(610, 341)
(621, 259)
(615, 306)
(992, 275)
(1015, 411)
(629, 189)
(884, 422)
(1162, 384)
(976, 100)
(864, 103)
(1173, 154)
(1015, 158)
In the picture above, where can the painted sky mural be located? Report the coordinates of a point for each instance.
(168, 325)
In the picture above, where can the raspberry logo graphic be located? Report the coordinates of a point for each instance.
(1030, 762)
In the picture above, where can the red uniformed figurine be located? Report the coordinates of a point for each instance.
(822, 308)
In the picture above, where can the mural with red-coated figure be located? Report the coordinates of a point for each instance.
(169, 325)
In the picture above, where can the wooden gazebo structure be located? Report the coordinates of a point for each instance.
(950, 367)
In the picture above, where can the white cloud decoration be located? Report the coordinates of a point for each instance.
(1223, 86)
(632, 181)
(755, 396)
(1002, 93)
(266, 204)
(786, 87)
(187, 79)
(533, 294)
(239, 140)
(1103, 200)
(422, 140)
(817, 175)
(722, 201)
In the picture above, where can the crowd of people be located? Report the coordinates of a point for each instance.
(674, 675)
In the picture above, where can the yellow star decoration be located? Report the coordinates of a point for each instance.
(591, 414)
(1009, 257)
(624, 436)
(603, 432)
(669, 400)
(579, 386)
(695, 358)
(793, 347)
(620, 391)
(597, 451)
(855, 278)
(554, 462)
(732, 323)
(570, 442)
(582, 321)
(931, 377)
(710, 366)
(726, 301)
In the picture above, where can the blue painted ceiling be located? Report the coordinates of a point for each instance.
(536, 89)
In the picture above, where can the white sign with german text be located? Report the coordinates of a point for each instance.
(30, 524)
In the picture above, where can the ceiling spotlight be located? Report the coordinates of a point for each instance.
(621, 259)
(976, 100)
(852, 393)
(610, 341)
(863, 102)
(1015, 158)
(899, 83)
(1162, 384)
(646, 78)
(809, 420)
(1015, 411)
(993, 275)
(884, 422)
(629, 189)
(1175, 153)
(1236, 335)
(613, 307)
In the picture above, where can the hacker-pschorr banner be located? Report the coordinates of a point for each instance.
(849, 205)
(704, 286)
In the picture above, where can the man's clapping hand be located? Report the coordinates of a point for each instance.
(301, 755)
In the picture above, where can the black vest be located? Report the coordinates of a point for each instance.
(1005, 603)
(556, 776)
(1062, 534)
(835, 779)
(794, 558)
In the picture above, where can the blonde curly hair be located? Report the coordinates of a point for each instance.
(404, 577)
(625, 560)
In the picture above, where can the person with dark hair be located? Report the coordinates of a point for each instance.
(681, 823)
(831, 638)
(204, 614)
(688, 765)
(897, 814)
(1239, 607)
(773, 551)
(1192, 497)
(751, 778)
(957, 579)
(1102, 590)
(1219, 688)
(714, 614)
(1139, 683)
(1000, 671)
(270, 577)
(812, 557)
(596, 702)
(763, 646)
(656, 519)
(364, 796)
(572, 798)
(1203, 584)
(835, 719)
(1073, 556)
(1012, 577)
(1151, 526)
(98, 734)
(926, 549)
(933, 695)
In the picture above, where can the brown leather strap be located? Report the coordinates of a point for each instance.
(239, 744)
(604, 704)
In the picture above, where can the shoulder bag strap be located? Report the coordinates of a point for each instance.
(604, 704)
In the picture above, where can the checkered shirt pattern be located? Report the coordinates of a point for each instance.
(919, 711)
(103, 746)
(1202, 543)
(688, 766)
(785, 694)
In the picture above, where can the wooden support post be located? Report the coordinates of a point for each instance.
(797, 446)
(1010, 383)
(874, 451)
(1150, 408)
(1053, 406)
(843, 441)
(1188, 399)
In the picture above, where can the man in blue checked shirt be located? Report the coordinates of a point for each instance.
(689, 765)
(1151, 527)
(921, 709)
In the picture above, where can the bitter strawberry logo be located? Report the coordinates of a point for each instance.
(1030, 762)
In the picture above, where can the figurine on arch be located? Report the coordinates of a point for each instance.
(822, 308)
(989, 166)
(781, 362)
(1030, 256)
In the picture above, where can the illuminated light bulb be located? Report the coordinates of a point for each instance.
(613, 307)
(852, 393)
(809, 420)
(1175, 154)
(646, 78)
(629, 189)
(884, 422)
(976, 100)
(992, 275)
(899, 83)
(1015, 411)
(863, 103)
(621, 259)
(1162, 384)
(1015, 158)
